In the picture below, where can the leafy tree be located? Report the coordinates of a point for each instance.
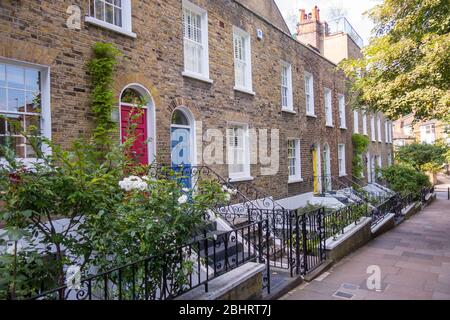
(404, 179)
(421, 156)
(405, 69)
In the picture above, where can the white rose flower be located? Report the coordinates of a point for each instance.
(73, 277)
(227, 197)
(224, 188)
(13, 248)
(186, 190)
(183, 199)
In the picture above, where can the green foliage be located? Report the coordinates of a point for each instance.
(334, 224)
(360, 144)
(101, 68)
(423, 157)
(405, 179)
(405, 69)
(105, 226)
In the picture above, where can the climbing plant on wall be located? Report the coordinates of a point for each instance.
(360, 144)
(101, 68)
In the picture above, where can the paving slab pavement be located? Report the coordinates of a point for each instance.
(414, 260)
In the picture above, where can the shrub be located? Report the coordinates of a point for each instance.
(405, 179)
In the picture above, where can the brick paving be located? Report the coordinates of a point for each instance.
(414, 259)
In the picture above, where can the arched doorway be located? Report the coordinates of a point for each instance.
(326, 167)
(182, 142)
(136, 114)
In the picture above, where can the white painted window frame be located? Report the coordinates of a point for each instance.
(328, 102)
(298, 162)
(245, 174)
(247, 87)
(309, 95)
(364, 123)
(289, 107)
(46, 116)
(126, 28)
(342, 159)
(342, 112)
(204, 60)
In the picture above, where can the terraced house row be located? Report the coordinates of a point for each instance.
(228, 65)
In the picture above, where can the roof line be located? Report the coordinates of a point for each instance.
(283, 32)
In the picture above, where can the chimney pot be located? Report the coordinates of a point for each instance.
(302, 15)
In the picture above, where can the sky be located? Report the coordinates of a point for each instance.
(354, 10)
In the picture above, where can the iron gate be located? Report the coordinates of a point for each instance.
(296, 239)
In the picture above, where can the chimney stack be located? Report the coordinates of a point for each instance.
(310, 30)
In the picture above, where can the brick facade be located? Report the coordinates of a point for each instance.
(36, 32)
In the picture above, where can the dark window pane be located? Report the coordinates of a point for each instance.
(118, 17)
(18, 145)
(16, 100)
(2, 126)
(33, 125)
(179, 118)
(16, 77)
(109, 13)
(99, 10)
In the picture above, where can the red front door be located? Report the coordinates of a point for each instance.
(139, 118)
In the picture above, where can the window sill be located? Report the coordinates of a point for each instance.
(105, 25)
(294, 180)
(311, 115)
(329, 126)
(287, 110)
(196, 77)
(244, 90)
(343, 128)
(342, 175)
(239, 179)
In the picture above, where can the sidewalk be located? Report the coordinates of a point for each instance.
(414, 259)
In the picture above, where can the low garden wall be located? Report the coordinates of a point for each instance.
(353, 238)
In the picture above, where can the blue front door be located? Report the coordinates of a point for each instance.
(181, 154)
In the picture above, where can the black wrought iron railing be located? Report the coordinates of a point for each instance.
(168, 275)
(379, 212)
(337, 221)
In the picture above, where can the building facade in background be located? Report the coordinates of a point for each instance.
(338, 40)
(407, 132)
(226, 65)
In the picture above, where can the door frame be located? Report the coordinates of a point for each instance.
(192, 136)
(327, 161)
(150, 121)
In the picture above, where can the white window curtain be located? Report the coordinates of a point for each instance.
(286, 86)
(355, 121)
(342, 112)
(328, 107)
(309, 93)
(238, 151)
(294, 161)
(193, 45)
(341, 160)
